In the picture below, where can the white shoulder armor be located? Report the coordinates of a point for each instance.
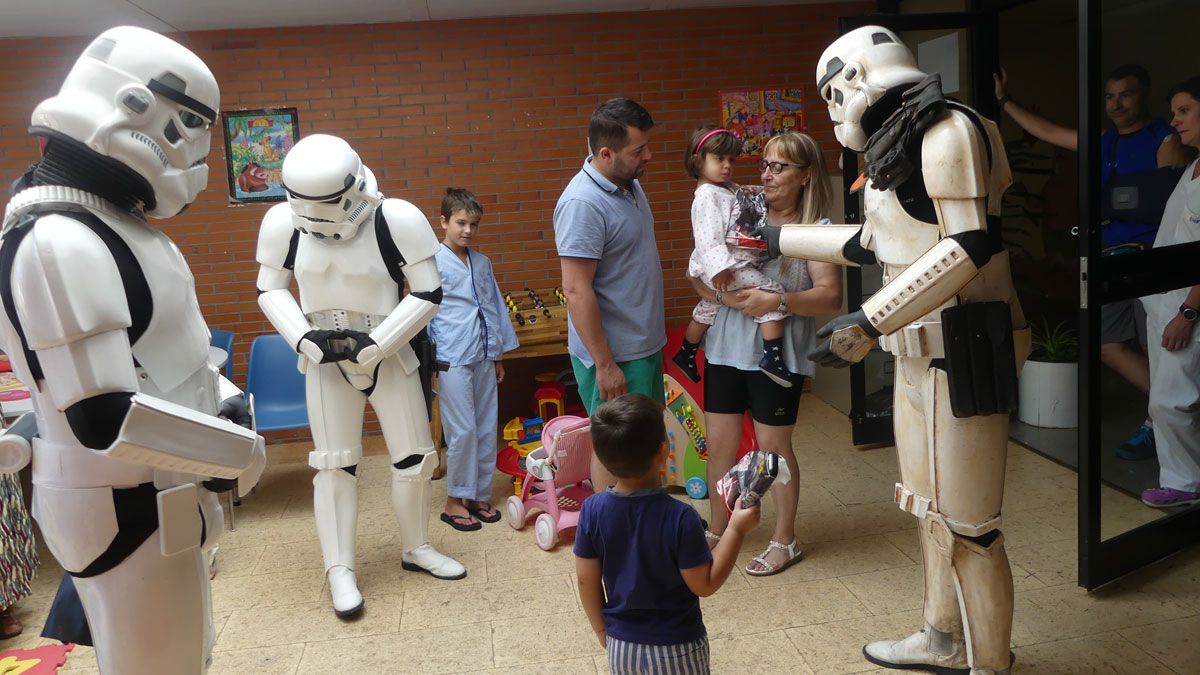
(275, 237)
(66, 284)
(410, 230)
(954, 159)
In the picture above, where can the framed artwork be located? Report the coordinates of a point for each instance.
(256, 142)
(758, 114)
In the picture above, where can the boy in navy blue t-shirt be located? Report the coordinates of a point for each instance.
(648, 549)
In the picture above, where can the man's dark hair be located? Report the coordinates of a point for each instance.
(627, 433)
(458, 199)
(1134, 70)
(608, 128)
(1190, 86)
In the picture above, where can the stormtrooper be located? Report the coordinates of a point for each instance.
(935, 172)
(133, 424)
(351, 250)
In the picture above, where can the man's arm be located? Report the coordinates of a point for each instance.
(1036, 125)
(577, 274)
(591, 594)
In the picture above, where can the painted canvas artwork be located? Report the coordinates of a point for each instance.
(758, 114)
(256, 142)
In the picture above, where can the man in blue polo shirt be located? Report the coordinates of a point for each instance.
(612, 276)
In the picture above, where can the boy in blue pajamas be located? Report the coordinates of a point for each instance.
(472, 332)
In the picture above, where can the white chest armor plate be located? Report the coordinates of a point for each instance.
(892, 233)
(344, 275)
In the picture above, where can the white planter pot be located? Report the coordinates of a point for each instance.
(1049, 394)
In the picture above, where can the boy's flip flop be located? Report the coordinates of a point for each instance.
(479, 514)
(456, 522)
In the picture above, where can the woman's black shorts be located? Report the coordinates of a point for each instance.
(728, 390)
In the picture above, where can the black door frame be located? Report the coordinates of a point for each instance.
(1115, 278)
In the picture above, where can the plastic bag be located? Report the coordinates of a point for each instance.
(751, 477)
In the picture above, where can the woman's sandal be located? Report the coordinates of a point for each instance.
(795, 555)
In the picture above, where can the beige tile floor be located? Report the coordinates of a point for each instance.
(518, 612)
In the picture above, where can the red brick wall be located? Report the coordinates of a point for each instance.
(499, 106)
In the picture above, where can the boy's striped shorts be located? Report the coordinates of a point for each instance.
(632, 658)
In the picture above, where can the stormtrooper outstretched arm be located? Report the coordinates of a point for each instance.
(837, 244)
(74, 313)
(417, 246)
(955, 170)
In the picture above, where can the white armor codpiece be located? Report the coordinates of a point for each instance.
(940, 265)
(349, 250)
(102, 322)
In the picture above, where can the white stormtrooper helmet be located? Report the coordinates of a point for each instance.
(145, 101)
(858, 70)
(328, 187)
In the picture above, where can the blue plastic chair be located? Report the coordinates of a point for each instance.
(223, 339)
(277, 386)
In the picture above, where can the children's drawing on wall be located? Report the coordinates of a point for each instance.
(256, 142)
(756, 115)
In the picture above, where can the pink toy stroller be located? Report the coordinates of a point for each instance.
(559, 469)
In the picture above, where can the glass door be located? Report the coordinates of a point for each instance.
(1118, 531)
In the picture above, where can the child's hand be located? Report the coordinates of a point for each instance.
(499, 372)
(602, 635)
(721, 279)
(744, 519)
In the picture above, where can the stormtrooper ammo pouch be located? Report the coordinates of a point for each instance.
(980, 362)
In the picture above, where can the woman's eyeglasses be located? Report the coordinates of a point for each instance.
(775, 168)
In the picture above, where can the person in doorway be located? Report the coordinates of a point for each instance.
(1171, 326)
(1137, 144)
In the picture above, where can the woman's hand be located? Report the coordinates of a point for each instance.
(703, 291)
(1000, 80)
(753, 301)
(1177, 334)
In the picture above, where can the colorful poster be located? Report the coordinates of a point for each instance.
(256, 142)
(758, 114)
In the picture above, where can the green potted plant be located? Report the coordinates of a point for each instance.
(1049, 388)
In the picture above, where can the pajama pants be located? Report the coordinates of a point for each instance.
(467, 397)
(631, 658)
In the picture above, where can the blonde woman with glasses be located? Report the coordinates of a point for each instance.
(795, 189)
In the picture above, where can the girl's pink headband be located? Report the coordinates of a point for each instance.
(705, 137)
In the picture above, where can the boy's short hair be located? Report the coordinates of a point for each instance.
(608, 127)
(723, 143)
(458, 199)
(627, 433)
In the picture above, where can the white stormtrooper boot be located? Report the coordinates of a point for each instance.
(335, 506)
(927, 649)
(411, 494)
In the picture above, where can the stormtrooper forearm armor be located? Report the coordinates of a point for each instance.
(837, 244)
(415, 311)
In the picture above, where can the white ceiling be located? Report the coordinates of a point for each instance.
(33, 18)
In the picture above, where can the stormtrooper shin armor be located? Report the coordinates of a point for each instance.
(941, 267)
(102, 322)
(349, 250)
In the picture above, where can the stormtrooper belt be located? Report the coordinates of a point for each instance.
(344, 319)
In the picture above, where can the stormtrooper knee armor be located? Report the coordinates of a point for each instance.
(936, 171)
(102, 321)
(350, 251)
